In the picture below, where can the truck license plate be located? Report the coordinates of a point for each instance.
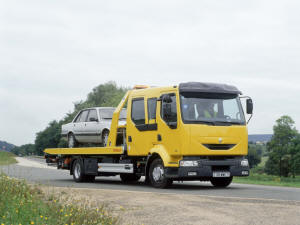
(221, 174)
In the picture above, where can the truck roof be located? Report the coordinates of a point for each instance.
(208, 88)
(194, 87)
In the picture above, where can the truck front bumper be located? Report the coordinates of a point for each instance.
(207, 168)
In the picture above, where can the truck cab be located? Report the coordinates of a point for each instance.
(198, 130)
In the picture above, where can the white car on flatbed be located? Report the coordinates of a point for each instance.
(90, 125)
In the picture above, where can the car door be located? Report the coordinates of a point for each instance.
(92, 128)
(79, 126)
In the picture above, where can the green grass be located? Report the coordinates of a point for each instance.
(22, 204)
(7, 158)
(264, 179)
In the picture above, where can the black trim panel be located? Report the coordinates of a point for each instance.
(146, 127)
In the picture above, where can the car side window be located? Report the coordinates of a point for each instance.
(83, 116)
(138, 111)
(151, 108)
(92, 117)
(78, 118)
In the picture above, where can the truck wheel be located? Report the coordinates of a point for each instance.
(127, 178)
(221, 181)
(72, 143)
(157, 175)
(78, 174)
(105, 135)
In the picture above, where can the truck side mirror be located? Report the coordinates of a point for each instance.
(249, 106)
(167, 99)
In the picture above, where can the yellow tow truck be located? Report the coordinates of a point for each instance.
(191, 131)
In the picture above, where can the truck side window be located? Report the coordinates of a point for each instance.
(152, 108)
(172, 105)
(138, 111)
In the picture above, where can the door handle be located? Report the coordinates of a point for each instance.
(159, 137)
(129, 139)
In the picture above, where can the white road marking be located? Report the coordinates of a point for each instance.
(30, 163)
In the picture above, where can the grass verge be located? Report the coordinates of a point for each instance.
(264, 179)
(22, 204)
(7, 158)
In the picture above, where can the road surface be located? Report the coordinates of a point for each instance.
(35, 170)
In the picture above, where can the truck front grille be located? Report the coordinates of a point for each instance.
(219, 146)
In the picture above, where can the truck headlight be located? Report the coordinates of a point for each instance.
(188, 163)
(245, 163)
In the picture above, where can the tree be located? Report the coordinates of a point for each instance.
(279, 147)
(254, 155)
(27, 149)
(294, 152)
(48, 138)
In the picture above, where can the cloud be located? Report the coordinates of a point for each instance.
(53, 53)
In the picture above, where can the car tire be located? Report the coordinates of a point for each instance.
(105, 135)
(157, 175)
(72, 143)
(129, 178)
(221, 182)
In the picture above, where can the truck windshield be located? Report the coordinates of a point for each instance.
(212, 109)
(108, 113)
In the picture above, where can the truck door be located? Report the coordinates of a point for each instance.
(168, 133)
(136, 125)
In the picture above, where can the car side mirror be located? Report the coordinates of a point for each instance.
(249, 106)
(93, 119)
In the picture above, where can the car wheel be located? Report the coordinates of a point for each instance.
(221, 181)
(105, 135)
(72, 143)
(128, 178)
(157, 175)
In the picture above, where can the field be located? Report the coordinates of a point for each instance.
(7, 158)
(264, 179)
(24, 204)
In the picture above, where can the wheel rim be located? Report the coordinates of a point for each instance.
(77, 171)
(71, 141)
(158, 173)
(105, 138)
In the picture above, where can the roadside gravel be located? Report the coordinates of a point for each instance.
(158, 208)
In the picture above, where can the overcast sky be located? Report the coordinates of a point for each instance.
(52, 53)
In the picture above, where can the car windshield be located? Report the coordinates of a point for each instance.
(108, 113)
(213, 109)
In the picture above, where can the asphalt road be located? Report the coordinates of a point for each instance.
(61, 178)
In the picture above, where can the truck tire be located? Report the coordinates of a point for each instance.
(221, 181)
(128, 178)
(157, 175)
(72, 143)
(78, 174)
